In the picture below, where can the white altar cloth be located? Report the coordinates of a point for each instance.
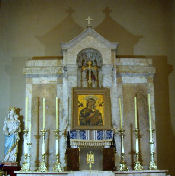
(91, 173)
(69, 173)
(95, 173)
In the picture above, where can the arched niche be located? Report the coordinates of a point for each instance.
(89, 62)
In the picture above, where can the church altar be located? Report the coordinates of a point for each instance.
(89, 108)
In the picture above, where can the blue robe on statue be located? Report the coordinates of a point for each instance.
(10, 143)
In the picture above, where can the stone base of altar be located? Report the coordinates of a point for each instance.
(96, 173)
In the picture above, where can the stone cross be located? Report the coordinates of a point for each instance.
(89, 19)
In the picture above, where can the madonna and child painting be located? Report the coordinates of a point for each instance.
(91, 109)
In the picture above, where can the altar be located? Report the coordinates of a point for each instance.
(89, 112)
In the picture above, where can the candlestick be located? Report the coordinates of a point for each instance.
(57, 111)
(135, 103)
(26, 108)
(137, 164)
(26, 164)
(44, 111)
(152, 163)
(43, 166)
(123, 165)
(120, 108)
(150, 118)
(57, 166)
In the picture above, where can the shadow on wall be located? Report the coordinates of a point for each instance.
(68, 29)
(164, 131)
(114, 32)
(63, 32)
(165, 136)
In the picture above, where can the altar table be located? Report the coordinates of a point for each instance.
(95, 173)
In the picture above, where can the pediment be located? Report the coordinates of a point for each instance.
(86, 33)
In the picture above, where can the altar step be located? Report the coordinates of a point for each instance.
(95, 173)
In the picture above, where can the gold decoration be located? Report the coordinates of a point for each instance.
(25, 164)
(90, 159)
(89, 68)
(12, 108)
(57, 166)
(43, 167)
(152, 164)
(122, 165)
(137, 164)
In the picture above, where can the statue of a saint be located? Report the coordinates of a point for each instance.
(11, 130)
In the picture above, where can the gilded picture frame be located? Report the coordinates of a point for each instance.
(91, 108)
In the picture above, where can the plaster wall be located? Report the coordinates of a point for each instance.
(36, 28)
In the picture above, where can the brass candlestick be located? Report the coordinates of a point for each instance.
(43, 166)
(122, 166)
(26, 164)
(137, 164)
(90, 159)
(152, 164)
(57, 166)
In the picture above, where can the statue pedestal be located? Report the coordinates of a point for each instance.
(10, 164)
(11, 169)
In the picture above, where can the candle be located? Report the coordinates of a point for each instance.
(44, 111)
(120, 108)
(149, 111)
(57, 111)
(135, 104)
(26, 119)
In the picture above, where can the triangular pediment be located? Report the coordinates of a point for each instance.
(89, 32)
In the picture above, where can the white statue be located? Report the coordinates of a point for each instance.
(11, 130)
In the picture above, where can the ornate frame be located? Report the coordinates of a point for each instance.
(101, 107)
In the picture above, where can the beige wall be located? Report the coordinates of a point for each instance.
(36, 27)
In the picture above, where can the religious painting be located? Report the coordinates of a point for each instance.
(91, 108)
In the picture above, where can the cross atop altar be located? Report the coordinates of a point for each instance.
(89, 19)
